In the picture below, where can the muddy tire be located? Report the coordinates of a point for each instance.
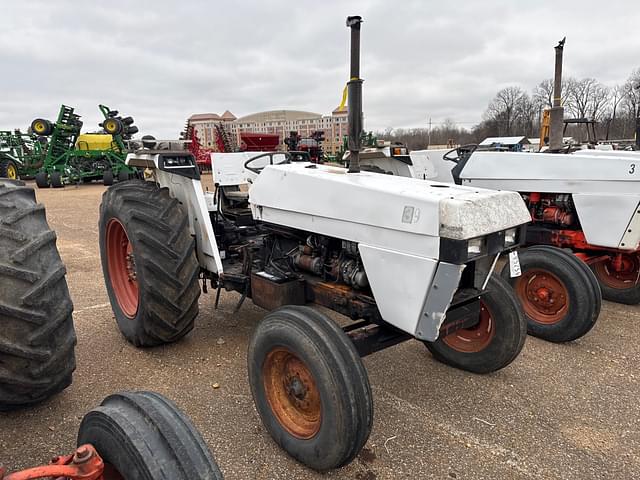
(623, 286)
(557, 294)
(310, 387)
(494, 342)
(149, 263)
(37, 337)
(142, 435)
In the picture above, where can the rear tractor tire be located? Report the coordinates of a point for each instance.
(37, 337)
(310, 387)
(620, 285)
(142, 435)
(149, 263)
(558, 294)
(494, 342)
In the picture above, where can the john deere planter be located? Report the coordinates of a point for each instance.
(72, 157)
(21, 155)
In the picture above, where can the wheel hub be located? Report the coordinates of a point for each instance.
(292, 393)
(621, 271)
(122, 268)
(476, 338)
(543, 295)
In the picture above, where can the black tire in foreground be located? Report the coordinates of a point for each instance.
(310, 387)
(494, 342)
(557, 294)
(621, 285)
(37, 337)
(144, 436)
(149, 263)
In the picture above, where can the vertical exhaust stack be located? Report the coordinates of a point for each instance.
(354, 94)
(556, 113)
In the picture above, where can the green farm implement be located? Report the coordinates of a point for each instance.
(21, 154)
(72, 157)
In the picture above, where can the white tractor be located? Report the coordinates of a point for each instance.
(401, 260)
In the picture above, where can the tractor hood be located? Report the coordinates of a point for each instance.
(403, 214)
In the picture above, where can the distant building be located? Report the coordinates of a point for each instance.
(513, 144)
(279, 122)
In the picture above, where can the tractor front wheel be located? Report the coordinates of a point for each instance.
(494, 342)
(619, 278)
(558, 295)
(310, 387)
(149, 263)
(143, 435)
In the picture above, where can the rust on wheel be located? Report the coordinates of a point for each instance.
(476, 338)
(292, 393)
(544, 297)
(122, 268)
(620, 272)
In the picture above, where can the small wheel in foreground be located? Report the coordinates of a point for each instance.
(619, 278)
(310, 387)
(56, 180)
(142, 435)
(556, 293)
(42, 180)
(494, 342)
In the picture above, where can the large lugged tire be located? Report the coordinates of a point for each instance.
(494, 342)
(37, 337)
(621, 285)
(557, 294)
(144, 436)
(310, 387)
(149, 263)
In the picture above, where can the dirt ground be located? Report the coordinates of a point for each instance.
(559, 411)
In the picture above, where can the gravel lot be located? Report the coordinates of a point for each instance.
(559, 411)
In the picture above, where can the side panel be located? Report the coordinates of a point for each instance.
(399, 282)
(605, 219)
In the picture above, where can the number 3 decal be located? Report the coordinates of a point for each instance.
(632, 168)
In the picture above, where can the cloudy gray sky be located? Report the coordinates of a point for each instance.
(160, 61)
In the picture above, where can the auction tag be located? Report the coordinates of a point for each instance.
(514, 264)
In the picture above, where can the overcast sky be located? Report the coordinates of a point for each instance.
(160, 61)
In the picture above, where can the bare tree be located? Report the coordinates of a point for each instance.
(505, 108)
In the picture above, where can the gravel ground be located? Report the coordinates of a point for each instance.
(559, 411)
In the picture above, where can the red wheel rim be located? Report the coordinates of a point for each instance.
(543, 296)
(476, 338)
(122, 268)
(624, 277)
(292, 393)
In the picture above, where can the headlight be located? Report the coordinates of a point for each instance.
(510, 237)
(475, 246)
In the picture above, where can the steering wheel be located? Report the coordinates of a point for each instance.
(461, 152)
(258, 169)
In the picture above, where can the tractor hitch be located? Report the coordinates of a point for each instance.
(83, 464)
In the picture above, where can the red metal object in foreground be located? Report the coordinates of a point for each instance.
(84, 464)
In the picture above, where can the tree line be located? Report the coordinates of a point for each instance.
(514, 112)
